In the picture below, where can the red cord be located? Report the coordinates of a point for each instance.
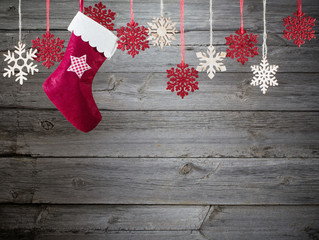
(48, 15)
(299, 2)
(81, 5)
(182, 31)
(132, 15)
(241, 14)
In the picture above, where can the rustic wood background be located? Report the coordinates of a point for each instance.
(224, 163)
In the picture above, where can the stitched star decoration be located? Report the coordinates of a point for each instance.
(49, 49)
(100, 14)
(264, 75)
(182, 80)
(78, 65)
(299, 28)
(241, 46)
(132, 38)
(211, 61)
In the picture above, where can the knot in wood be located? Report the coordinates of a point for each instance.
(47, 125)
(78, 183)
(186, 169)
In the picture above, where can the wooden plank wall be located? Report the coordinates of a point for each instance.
(224, 163)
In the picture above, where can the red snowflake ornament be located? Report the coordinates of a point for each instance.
(182, 79)
(49, 49)
(299, 28)
(241, 46)
(100, 14)
(132, 38)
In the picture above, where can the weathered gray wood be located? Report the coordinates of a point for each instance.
(147, 91)
(101, 218)
(110, 235)
(226, 13)
(289, 59)
(278, 222)
(159, 181)
(166, 134)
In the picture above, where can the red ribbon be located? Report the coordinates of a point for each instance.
(132, 15)
(299, 2)
(241, 14)
(182, 31)
(48, 15)
(81, 5)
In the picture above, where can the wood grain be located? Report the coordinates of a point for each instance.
(101, 218)
(159, 181)
(280, 222)
(165, 134)
(147, 91)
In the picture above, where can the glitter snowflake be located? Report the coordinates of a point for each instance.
(49, 49)
(100, 14)
(211, 61)
(299, 28)
(20, 63)
(264, 75)
(241, 46)
(132, 38)
(182, 80)
(161, 31)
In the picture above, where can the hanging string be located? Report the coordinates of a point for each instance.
(48, 16)
(20, 23)
(299, 3)
(81, 5)
(162, 7)
(211, 21)
(264, 46)
(241, 14)
(132, 14)
(182, 31)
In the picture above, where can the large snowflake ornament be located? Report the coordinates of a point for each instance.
(299, 28)
(161, 31)
(49, 49)
(132, 38)
(264, 75)
(20, 63)
(100, 14)
(182, 80)
(241, 46)
(211, 61)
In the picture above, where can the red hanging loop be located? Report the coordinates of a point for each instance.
(299, 3)
(132, 14)
(241, 14)
(81, 5)
(182, 31)
(48, 16)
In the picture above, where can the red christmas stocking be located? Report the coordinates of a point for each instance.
(70, 86)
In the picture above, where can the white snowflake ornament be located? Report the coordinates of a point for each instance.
(264, 75)
(211, 61)
(161, 31)
(20, 63)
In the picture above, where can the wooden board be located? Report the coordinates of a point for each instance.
(147, 91)
(159, 181)
(101, 218)
(165, 134)
(282, 222)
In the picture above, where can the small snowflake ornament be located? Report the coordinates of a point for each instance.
(211, 61)
(241, 46)
(132, 38)
(161, 31)
(182, 80)
(22, 63)
(49, 49)
(264, 75)
(100, 14)
(299, 28)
